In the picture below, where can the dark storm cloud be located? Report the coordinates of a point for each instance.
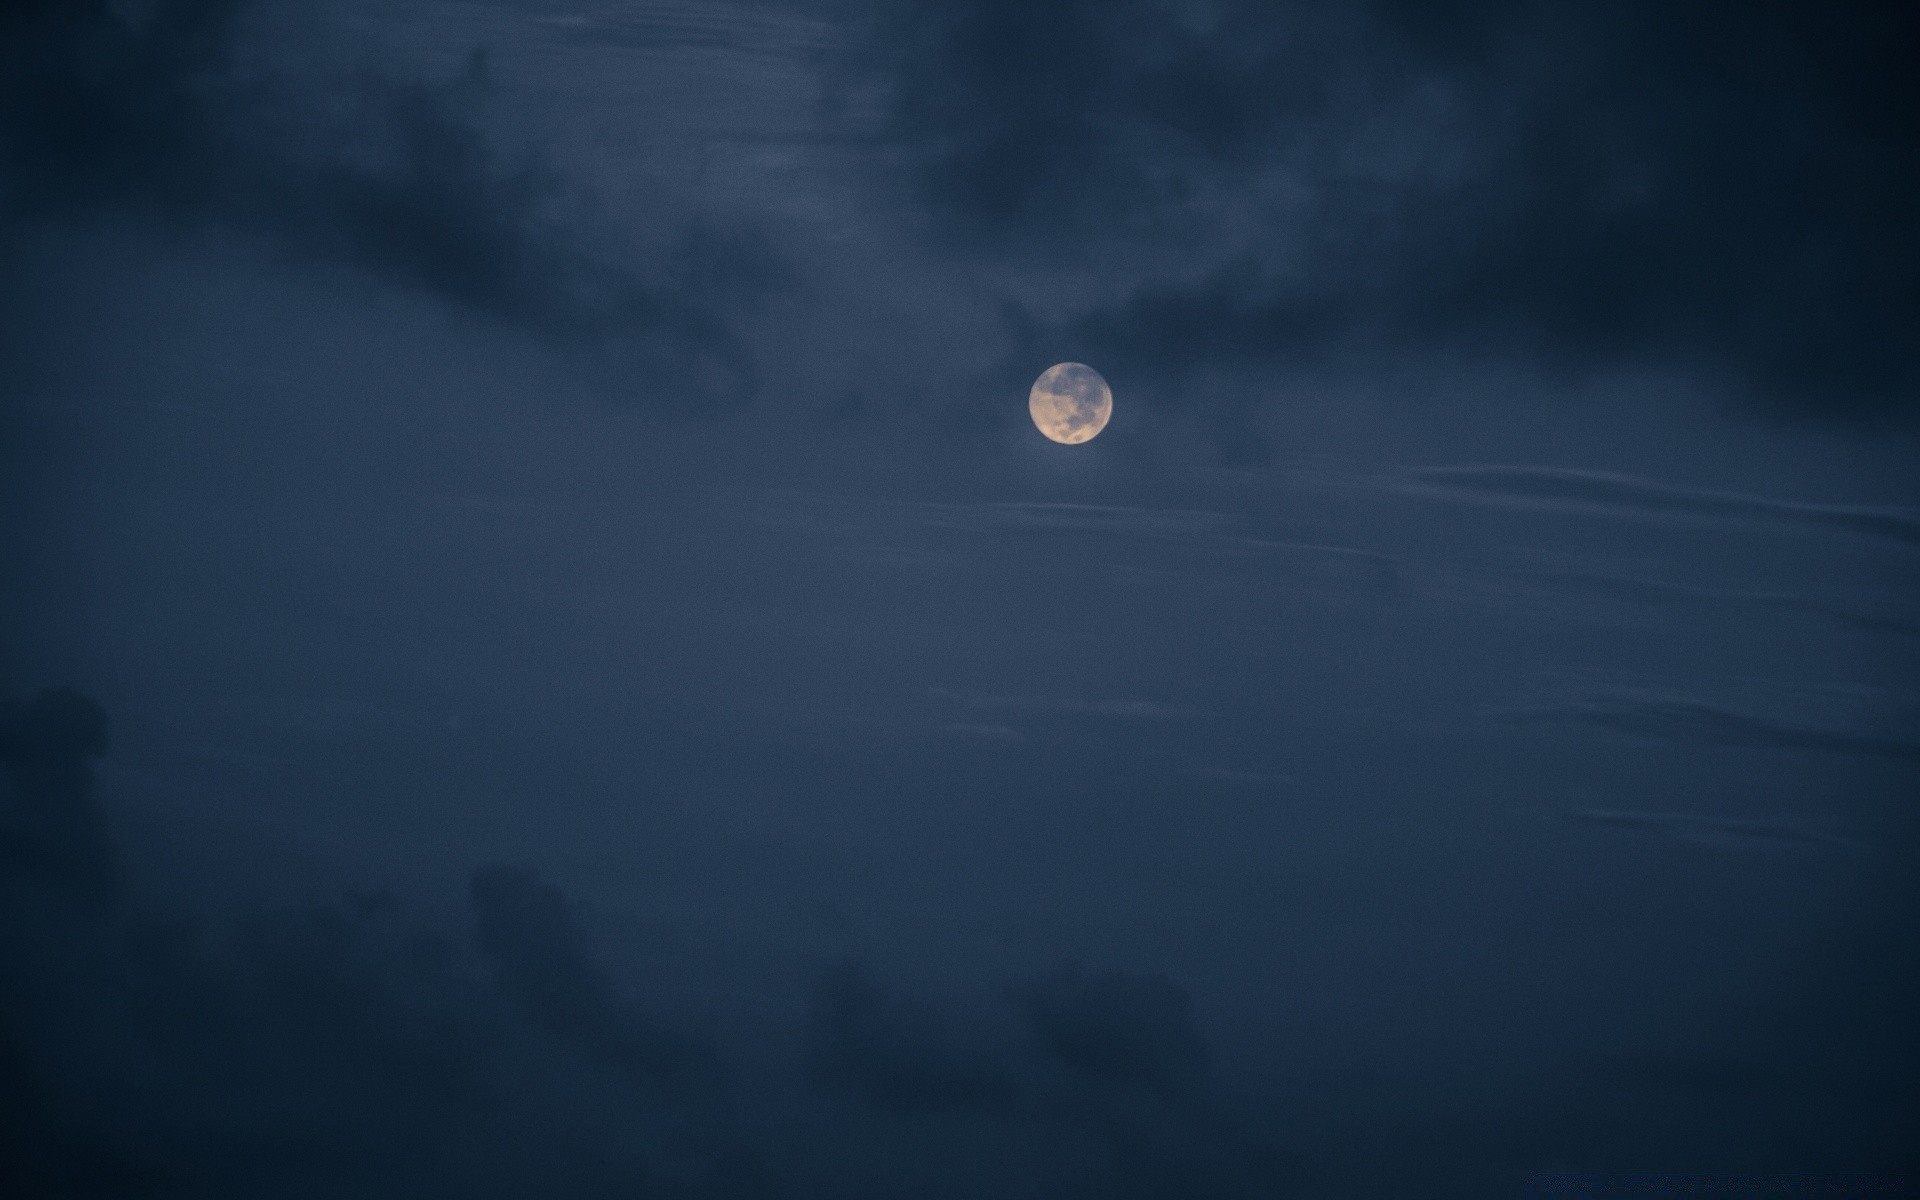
(50, 826)
(163, 114)
(1626, 496)
(1725, 189)
(1696, 722)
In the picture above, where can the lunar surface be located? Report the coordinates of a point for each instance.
(1070, 403)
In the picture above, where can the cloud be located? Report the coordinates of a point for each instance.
(147, 113)
(984, 731)
(1722, 832)
(50, 827)
(167, 1063)
(1366, 569)
(1115, 1030)
(345, 1048)
(525, 927)
(1628, 496)
(1114, 519)
(1118, 1029)
(1243, 778)
(1632, 590)
(1108, 1097)
(870, 1045)
(736, 28)
(1076, 706)
(1593, 186)
(336, 1048)
(1696, 722)
(1022, 121)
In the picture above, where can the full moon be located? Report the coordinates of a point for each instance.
(1070, 403)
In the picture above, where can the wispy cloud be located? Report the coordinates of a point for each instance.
(1239, 777)
(732, 28)
(1629, 496)
(1369, 568)
(1680, 719)
(1080, 518)
(1720, 832)
(1633, 590)
(984, 731)
(1105, 706)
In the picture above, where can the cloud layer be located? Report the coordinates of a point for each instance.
(1724, 191)
(158, 115)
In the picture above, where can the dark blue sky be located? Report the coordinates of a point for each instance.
(541, 654)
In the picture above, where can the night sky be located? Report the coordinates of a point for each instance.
(542, 655)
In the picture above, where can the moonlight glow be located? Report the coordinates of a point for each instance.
(1070, 403)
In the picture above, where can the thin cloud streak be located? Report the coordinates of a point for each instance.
(1106, 706)
(1608, 493)
(1654, 592)
(1696, 722)
(1720, 832)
